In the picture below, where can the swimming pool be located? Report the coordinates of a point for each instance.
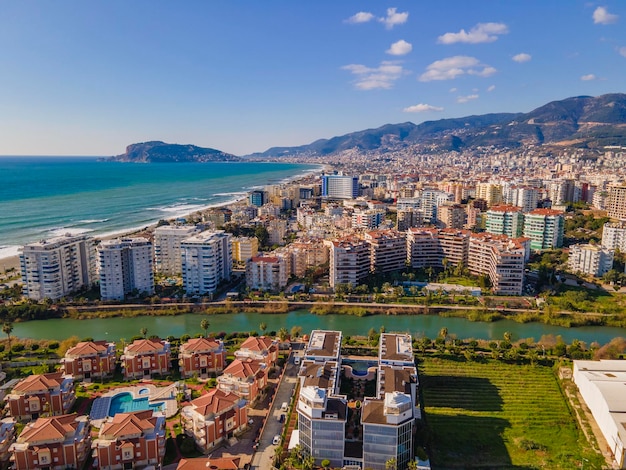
(359, 368)
(125, 403)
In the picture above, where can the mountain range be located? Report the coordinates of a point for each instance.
(581, 121)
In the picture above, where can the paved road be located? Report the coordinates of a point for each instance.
(263, 457)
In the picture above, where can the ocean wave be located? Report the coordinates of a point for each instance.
(177, 208)
(91, 221)
(9, 251)
(234, 193)
(60, 231)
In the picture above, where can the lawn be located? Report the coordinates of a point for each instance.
(495, 415)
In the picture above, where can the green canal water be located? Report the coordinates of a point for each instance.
(115, 329)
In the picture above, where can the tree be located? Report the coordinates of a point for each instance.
(325, 463)
(263, 327)
(296, 331)
(204, 324)
(7, 329)
(143, 331)
(391, 464)
(507, 336)
(283, 334)
(443, 333)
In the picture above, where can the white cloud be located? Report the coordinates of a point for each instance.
(400, 48)
(588, 77)
(522, 57)
(393, 18)
(491, 88)
(452, 67)
(383, 76)
(622, 51)
(482, 32)
(602, 16)
(453, 90)
(360, 17)
(465, 99)
(422, 108)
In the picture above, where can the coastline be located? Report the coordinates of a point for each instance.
(12, 260)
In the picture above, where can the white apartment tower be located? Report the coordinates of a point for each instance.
(266, 273)
(590, 259)
(125, 265)
(349, 261)
(167, 240)
(616, 204)
(54, 268)
(206, 261)
(614, 236)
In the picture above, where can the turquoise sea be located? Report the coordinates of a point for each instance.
(42, 197)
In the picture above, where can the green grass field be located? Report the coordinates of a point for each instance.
(496, 415)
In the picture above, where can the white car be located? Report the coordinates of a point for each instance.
(276, 439)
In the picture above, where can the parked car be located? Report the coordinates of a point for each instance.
(284, 406)
(276, 439)
(281, 418)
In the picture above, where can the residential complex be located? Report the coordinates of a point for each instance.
(387, 419)
(590, 259)
(58, 267)
(89, 360)
(201, 357)
(50, 394)
(126, 266)
(144, 358)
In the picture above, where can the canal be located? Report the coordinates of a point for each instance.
(114, 329)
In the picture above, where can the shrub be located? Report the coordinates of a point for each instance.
(34, 347)
(17, 347)
(53, 345)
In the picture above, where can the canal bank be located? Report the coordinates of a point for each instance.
(117, 328)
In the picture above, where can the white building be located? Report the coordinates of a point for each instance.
(125, 266)
(167, 254)
(590, 259)
(349, 261)
(206, 261)
(614, 236)
(54, 268)
(602, 385)
(340, 186)
(266, 273)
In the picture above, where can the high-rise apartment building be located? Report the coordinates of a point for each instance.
(206, 261)
(545, 229)
(244, 248)
(340, 186)
(387, 250)
(451, 215)
(54, 268)
(616, 204)
(590, 259)
(614, 236)
(167, 254)
(266, 273)
(490, 192)
(125, 266)
(505, 220)
(349, 261)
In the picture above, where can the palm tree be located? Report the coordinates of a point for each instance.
(7, 328)
(263, 327)
(443, 333)
(391, 464)
(143, 331)
(204, 324)
(507, 336)
(296, 331)
(283, 334)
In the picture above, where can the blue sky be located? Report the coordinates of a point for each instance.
(90, 77)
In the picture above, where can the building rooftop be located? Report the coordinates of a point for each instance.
(396, 347)
(323, 343)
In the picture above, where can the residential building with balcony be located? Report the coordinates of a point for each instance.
(244, 248)
(53, 443)
(130, 440)
(206, 262)
(259, 348)
(505, 220)
(245, 378)
(616, 203)
(144, 358)
(614, 236)
(7, 437)
(201, 357)
(89, 359)
(451, 215)
(125, 267)
(214, 418)
(167, 247)
(387, 250)
(58, 267)
(268, 273)
(50, 394)
(340, 186)
(545, 229)
(350, 261)
(590, 259)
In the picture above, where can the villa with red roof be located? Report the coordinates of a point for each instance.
(51, 394)
(130, 440)
(54, 443)
(145, 357)
(7, 437)
(214, 417)
(244, 378)
(201, 357)
(89, 359)
(259, 348)
(222, 463)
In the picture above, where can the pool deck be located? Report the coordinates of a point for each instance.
(165, 395)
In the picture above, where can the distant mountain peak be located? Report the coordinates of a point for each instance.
(160, 152)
